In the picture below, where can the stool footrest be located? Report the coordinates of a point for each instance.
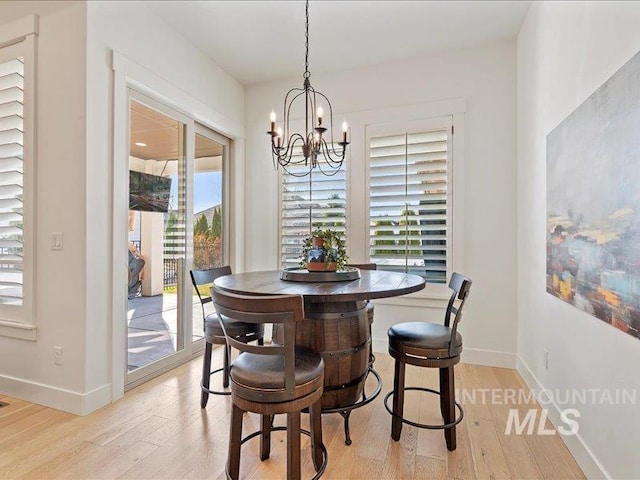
(283, 428)
(422, 425)
(215, 392)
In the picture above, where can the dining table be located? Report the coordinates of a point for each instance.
(335, 324)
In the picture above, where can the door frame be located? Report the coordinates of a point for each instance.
(128, 74)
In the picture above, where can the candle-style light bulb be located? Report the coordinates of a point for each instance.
(279, 137)
(320, 112)
(345, 127)
(273, 120)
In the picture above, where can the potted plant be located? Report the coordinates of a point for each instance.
(324, 251)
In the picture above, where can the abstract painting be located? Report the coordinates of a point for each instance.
(593, 203)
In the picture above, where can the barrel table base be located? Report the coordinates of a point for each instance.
(340, 332)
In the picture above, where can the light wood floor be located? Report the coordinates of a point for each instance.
(158, 431)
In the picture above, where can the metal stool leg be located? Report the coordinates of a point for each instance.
(293, 446)
(235, 443)
(398, 400)
(206, 375)
(448, 405)
(315, 422)
(265, 437)
(225, 373)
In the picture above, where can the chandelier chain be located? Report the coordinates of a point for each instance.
(293, 150)
(306, 42)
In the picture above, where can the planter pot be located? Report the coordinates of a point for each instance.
(317, 260)
(322, 266)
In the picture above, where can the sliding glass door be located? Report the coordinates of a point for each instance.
(176, 222)
(209, 175)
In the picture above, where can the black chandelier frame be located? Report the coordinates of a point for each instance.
(312, 143)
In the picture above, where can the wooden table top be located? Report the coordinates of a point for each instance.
(372, 284)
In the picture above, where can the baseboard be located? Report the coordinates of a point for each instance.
(488, 358)
(55, 397)
(585, 457)
(474, 356)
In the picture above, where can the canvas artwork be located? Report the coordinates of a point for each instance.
(593, 203)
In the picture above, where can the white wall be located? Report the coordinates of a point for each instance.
(565, 52)
(486, 78)
(27, 368)
(74, 194)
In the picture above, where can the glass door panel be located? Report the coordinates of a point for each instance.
(208, 217)
(157, 243)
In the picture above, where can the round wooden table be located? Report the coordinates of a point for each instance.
(336, 325)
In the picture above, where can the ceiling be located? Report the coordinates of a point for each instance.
(257, 41)
(159, 135)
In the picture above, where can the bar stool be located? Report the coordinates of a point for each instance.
(273, 379)
(214, 335)
(430, 345)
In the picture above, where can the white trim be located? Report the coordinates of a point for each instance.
(577, 446)
(488, 358)
(55, 397)
(22, 331)
(420, 299)
(16, 30)
(148, 83)
(472, 356)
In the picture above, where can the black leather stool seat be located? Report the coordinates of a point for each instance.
(234, 328)
(427, 336)
(267, 371)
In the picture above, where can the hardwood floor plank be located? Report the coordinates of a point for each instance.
(158, 431)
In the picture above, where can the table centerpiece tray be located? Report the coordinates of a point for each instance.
(304, 275)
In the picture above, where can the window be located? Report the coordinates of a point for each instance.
(316, 197)
(410, 197)
(16, 182)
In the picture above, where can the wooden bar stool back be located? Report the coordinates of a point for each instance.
(430, 345)
(273, 379)
(214, 335)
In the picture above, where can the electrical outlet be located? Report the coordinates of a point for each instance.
(546, 359)
(57, 355)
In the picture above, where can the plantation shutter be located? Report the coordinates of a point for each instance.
(11, 181)
(409, 201)
(323, 201)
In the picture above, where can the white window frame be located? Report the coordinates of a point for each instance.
(19, 39)
(415, 127)
(433, 295)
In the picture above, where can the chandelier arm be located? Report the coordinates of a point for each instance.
(333, 165)
(329, 157)
(287, 109)
(330, 113)
(284, 157)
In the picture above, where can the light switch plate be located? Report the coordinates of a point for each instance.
(56, 241)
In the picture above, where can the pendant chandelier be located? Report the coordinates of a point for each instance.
(315, 150)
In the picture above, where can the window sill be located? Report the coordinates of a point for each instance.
(433, 296)
(22, 331)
